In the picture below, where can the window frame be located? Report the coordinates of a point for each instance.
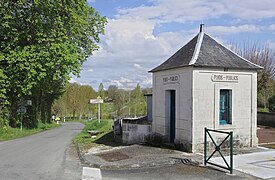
(227, 107)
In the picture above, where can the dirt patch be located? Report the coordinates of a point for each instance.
(266, 134)
(113, 156)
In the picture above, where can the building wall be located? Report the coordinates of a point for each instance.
(161, 115)
(206, 106)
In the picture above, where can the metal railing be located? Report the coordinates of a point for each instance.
(229, 166)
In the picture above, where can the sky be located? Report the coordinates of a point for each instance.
(141, 34)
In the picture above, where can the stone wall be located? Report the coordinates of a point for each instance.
(135, 133)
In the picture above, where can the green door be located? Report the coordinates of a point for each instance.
(172, 116)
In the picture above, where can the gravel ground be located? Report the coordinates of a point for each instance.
(141, 156)
(136, 156)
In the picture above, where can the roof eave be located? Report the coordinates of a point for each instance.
(153, 70)
(227, 67)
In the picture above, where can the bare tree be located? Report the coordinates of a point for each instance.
(265, 57)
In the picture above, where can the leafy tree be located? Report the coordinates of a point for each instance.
(139, 101)
(41, 44)
(112, 91)
(75, 102)
(101, 91)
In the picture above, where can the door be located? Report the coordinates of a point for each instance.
(172, 115)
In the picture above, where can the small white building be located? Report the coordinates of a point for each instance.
(204, 84)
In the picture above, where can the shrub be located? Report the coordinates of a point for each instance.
(271, 102)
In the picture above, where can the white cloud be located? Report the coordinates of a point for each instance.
(90, 1)
(250, 9)
(137, 66)
(229, 30)
(164, 11)
(130, 46)
(272, 27)
(128, 51)
(175, 11)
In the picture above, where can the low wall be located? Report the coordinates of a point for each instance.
(266, 119)
(135, 133)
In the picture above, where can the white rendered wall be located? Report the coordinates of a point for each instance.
(161, 116)
(206, 106)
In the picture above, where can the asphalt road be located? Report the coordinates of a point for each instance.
(46, 156)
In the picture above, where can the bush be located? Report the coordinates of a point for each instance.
(271, 102)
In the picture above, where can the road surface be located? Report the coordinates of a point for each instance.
(45, 156)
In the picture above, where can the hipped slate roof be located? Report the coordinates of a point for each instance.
(204, 51)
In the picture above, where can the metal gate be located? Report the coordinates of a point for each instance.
(229, 166)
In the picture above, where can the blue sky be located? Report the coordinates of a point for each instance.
(141, 34)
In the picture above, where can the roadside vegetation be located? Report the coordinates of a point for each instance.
(74, 103)
(105, 135)
(8, 133)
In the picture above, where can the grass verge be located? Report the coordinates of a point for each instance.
(84, 139)
(8, 133)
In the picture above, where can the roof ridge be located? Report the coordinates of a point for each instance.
(197, 49)
(235, 52)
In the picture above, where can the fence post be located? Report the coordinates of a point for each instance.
(231, 152)
(205, 146)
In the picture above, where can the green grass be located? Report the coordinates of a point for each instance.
(8, 133)
(263, 110)
(84, 139)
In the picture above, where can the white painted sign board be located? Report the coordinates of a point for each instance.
(225, 78)
(96, 101)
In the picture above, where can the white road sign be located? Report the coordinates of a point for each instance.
(96, 101)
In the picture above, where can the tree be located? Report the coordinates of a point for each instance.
(265, 57)
(75, 101)
(41, 44)
(112, 91)
(101, 91)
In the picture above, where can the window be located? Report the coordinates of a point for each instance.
(225, 106)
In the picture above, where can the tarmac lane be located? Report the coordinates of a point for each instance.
(47, 156)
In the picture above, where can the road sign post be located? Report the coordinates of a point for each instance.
(98, 112)
(21, 110)
(97, 101)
